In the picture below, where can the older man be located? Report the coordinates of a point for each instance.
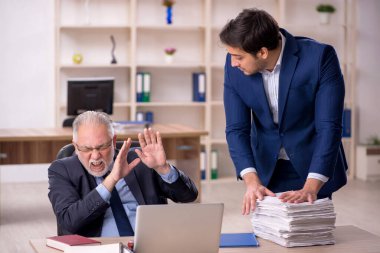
(85, 187)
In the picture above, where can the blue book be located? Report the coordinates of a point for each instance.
(238, 240)
(346, 123)
(149, 117)
(195, 87)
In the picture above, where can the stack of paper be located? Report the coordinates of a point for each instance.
(293, 225)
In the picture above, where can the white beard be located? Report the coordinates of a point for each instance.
(105, 163)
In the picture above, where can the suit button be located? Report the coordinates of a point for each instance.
(282, 134)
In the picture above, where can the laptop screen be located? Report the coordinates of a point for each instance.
(185, 228)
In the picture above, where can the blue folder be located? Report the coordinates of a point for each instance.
(238, 240)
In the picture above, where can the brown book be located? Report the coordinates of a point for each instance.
(64, 241)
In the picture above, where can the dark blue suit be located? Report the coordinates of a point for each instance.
(311, 100)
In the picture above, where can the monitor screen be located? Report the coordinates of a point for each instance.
(95, 94)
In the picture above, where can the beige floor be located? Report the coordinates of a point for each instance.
(26, 212)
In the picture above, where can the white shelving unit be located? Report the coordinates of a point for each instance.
(141, 35)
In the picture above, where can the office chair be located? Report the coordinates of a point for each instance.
(68, 122)
(69, 149)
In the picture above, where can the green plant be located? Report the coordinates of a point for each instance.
(168, 3)
(374, 140)
(325, 8)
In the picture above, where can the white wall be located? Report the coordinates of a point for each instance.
(368, 64)
(26, 63)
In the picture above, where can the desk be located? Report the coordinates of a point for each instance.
(41, 145)
(349, 239)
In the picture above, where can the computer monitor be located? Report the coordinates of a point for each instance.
(95, 94)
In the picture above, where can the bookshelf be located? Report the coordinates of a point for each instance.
(141, 35)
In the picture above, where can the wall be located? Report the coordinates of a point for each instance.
(26, 75)
(367, 64)
(27, 63)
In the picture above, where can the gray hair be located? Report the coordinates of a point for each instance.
(92, 118)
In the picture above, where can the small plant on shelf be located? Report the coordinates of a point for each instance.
(168, 3)
(169, 53)
(374, 140)
(170, 50)
(325, 10)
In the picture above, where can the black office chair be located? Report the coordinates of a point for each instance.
(68, 122)
(69, 149)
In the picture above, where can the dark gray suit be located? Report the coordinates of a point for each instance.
(80, 209)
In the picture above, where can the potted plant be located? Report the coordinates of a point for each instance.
(374, 140)
(325, 10)
(169, 53)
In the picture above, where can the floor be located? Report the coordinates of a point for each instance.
(25, 210)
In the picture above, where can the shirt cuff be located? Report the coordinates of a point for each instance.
(318, 176)
(103, 192)
(247, 170)
(171, 176)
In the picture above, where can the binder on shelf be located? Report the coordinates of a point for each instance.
(346, 123)
(199, 87)
(145, 116)
(149, 117)
(139, 87)
(139, 116)
(203, 164)
(214, 164)
(146, 87)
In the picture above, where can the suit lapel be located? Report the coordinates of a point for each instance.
(260, 95)
(288, 66)
(134, 186)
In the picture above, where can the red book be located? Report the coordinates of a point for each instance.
(63, 241)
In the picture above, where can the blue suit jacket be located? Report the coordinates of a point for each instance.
(311, 100)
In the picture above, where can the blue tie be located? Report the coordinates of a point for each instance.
(121, 218)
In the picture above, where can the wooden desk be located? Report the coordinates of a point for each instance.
(349, 239)
(26, 146)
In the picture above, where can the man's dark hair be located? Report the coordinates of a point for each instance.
(251, 30)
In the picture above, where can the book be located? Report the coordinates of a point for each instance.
(64, 241)
(139, 87)
(105, 248)
(346, 123)
(202, 87)
(121, 126)
(199, 87)
(203, 164)
(146, 87)
(238, 240)
(214, 164)
(149, 117)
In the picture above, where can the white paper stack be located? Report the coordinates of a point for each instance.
(293, 225)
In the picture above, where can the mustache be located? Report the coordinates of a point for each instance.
(96, 161)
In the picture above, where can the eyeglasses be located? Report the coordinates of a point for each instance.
(99, 148)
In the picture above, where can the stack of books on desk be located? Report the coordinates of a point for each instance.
(293, 225)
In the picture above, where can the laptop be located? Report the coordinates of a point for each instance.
(172, 228)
